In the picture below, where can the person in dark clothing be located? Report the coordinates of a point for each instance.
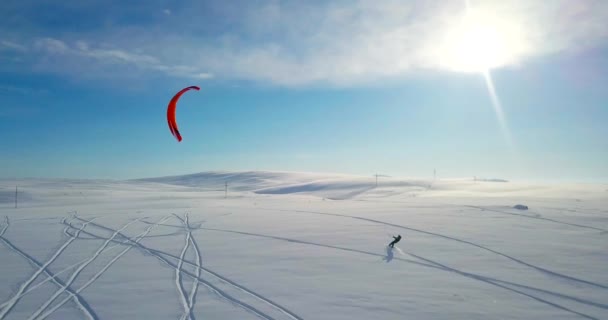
(396, 239)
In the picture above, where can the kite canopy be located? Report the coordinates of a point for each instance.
(171, 112)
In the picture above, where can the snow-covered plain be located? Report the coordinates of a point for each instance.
(301, 246)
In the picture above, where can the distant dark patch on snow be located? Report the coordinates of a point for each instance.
(308, 187)
(520, 207)
(352, 188)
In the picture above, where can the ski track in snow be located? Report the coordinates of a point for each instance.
(537, 216)
(12, 301)
(55, 275)
(506, 285)
(77, 272)
(6, 224)
(178, 277)
(160, 255)
(435, 265)
(473, 276)
(180, 265)
(519, 261)
(79, 300)
(532, 215)
(105, 268)
(189, 314)
(199, 263)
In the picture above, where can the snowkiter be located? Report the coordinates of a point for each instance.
(396, 239)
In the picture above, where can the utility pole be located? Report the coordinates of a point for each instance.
(16, 191)
(376, 180)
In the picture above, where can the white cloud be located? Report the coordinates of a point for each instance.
(337, 42)
(345, 43)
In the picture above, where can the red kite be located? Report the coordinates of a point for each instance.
(171, 112)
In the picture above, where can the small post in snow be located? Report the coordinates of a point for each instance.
(16, 191)
(226, 190)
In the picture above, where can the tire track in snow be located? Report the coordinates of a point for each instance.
(435, 265)
(80, 302)
(540, 269)
(77, 272)
(222, 294)
(12, 301)
(106, 267)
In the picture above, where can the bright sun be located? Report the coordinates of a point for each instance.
(480, 42)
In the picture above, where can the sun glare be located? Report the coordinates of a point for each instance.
(480, 42)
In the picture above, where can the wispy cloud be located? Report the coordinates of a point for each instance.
(301, 43)
(9, 45)
(78, 55)
(52, 46)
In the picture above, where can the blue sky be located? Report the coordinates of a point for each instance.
(340, 86)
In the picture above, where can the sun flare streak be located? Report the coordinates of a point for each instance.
(500, 115)
(481, 40)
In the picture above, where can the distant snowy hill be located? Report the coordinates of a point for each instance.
(332, 186)
(341, 187)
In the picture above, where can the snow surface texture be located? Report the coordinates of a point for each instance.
(301, 246)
